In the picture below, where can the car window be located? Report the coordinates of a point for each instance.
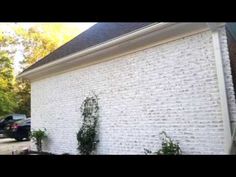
(23, 122)
(18, 117)
(8, 118)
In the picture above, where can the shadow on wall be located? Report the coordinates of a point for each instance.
(46, 144)
(233, 149)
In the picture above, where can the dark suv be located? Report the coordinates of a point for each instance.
(19, 130)
(10, 119)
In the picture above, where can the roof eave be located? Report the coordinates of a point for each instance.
(155, 33)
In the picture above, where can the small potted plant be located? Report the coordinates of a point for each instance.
(38, 136)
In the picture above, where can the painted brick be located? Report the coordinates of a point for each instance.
(171, 87)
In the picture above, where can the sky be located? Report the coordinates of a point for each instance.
(18, 56)
(82, 26)
(8, 26)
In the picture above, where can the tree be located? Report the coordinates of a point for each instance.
(42, 39)
(37, 41)
(7, 96)
(22, 98)
(7, 40)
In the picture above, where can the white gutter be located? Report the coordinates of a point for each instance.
(221, 84)
(120, 39)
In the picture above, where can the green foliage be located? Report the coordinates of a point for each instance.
(14, 94)
(169, 147)
(41, 39)
(87, 134)
(22, 98)
(35, 43)
(38, 136)
(86, 140)
(7, 96)
(7, 39)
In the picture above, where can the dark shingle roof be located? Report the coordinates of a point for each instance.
(99, 33)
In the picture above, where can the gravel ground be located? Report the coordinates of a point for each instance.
(7, 145)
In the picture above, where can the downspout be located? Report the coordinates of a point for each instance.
(221, 84)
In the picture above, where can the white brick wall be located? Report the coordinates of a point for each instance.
(171, 87)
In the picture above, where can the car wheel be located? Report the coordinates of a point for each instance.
(18, 139)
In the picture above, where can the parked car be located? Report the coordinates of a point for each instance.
(18, 130)
(9, 119)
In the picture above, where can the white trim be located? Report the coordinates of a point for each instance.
(222, 90)
(146, 36)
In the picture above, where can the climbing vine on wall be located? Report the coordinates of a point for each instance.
(87, 135)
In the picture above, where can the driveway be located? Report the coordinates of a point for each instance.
(7, 145)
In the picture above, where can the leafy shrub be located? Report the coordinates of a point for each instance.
(169, 147)
(38, 136)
